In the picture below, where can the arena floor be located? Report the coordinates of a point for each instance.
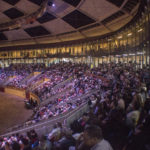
(12, 111)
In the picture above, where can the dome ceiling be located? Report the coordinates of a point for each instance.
(27, 22)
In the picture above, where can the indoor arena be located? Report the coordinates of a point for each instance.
(74, 74)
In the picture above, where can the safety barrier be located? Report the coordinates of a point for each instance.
(46, 126)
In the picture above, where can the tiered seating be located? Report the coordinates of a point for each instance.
(120, 109)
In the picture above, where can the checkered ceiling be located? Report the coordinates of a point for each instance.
(60, 18)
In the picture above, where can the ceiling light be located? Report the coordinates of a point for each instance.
(140, 30)
(118, 56)
(129, 34)
(120, 37)
(131, 54)
(53, 5)
(140, 53)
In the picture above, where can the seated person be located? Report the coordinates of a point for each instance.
(93, 138)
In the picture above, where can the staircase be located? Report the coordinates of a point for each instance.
(7, 81)
(30, 77)
(36, 84)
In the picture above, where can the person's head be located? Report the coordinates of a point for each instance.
(43, 138)
(136, 105)
(92, 135)
(147, 105)
(85, 117)
(16, 146)
(68, 133)
(25, 142)
(59, 124)
(55, 126)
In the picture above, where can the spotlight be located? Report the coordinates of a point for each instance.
(53, 5)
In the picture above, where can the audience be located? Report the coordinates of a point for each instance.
(93, 138)
(120, 107)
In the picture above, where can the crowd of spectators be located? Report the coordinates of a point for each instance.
(16, 73)
(80, 85)
(55, 75)
(20, 142)
(118, 113)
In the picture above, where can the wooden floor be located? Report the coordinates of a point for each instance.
(12, 111)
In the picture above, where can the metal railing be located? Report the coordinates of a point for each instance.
(46, 126)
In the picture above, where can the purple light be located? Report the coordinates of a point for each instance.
(53, 5)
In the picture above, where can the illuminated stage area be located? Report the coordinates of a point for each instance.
(12, 111)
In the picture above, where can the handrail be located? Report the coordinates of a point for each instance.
(62, 83)
(84, 109)
(59, 118)
(33, 77)
(45, 102)
(76, 114)
(41, 124)
(26, 78)
(55, 87)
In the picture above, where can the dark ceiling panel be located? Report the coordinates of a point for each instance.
(13, 13)
(77, 19)
(130, 5)
(46, 17)
(113, 17)
(38, 2)
(72, 2)
(37, 31)
(2, 37)
(12, 2)
(116, 2)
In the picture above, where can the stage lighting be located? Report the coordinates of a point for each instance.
(53, 5)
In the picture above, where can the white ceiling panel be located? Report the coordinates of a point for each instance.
(58, 26)
(26, 6)
(16, 34)
(3, 18)
(98, 9)
(4, 6)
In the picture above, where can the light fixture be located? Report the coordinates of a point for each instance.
(140, 53)
(131, 54)
(120, 37)
(140, 30)
(129, 34)
(118, 56)
(53, 5)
